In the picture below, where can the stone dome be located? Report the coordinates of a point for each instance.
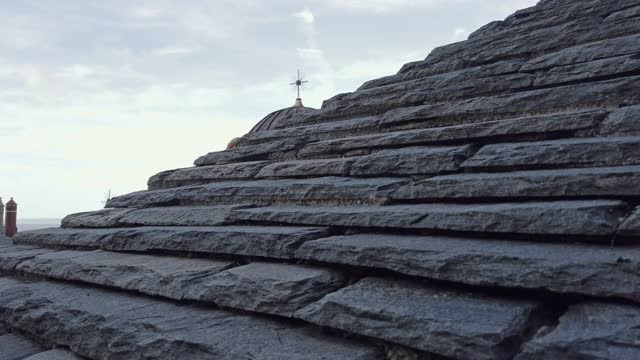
(270, 121)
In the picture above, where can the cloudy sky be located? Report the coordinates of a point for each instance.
(99, 95)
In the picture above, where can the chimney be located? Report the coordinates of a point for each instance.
(11, 218)
(1, 216)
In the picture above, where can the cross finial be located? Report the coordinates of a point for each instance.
(300, 82)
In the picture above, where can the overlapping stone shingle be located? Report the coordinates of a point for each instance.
(98, 323)
(560, 183)
(591, 152)
(595, 270)
(589, 331)
(278, 289)
(261, 241)
(448, 323)
(599, 218)
(325, 189)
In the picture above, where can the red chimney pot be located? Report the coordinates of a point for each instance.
(11, 224)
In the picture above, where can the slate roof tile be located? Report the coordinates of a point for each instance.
(481, 203)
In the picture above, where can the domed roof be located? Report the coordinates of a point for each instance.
(270, 121)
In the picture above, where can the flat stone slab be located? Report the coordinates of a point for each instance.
(453, 324)
(561, 183)
(583, 96)
(161, 216)
(619, 46)
(315, 132)
(205, 174)
(149, 274)
(322, 190)
(412, 161)
(511, 128)
(631, 226)
(98, 323)
(11, 256)
(558, 153)
(14, 347)
(307, 168)
(589, 331)
(598, 218)
(260, 241)
(278, 289)
(181, 216)
(95, 219)
(56, 354)
(591, 270)
(622, 122)
(254, 152)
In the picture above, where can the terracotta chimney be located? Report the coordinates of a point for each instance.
(11, 218)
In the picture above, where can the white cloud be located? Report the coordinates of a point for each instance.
(174, 51)
(306, 16)
(459, 34)
(387, 5)
(146, 13)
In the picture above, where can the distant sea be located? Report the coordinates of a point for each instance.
(35, 224)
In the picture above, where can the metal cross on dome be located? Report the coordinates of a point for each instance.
(299, 82)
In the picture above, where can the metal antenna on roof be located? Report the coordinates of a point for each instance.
(299, 82)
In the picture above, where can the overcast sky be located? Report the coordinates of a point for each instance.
(99, 95)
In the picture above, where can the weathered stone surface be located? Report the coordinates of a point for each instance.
(205, 174)
(562, 268)
(180, 216)
(279, 289)
(554, 99)
(619, 60)
(249, 153)
(558, 153)
(155, 181)
(11, 256)
(95, 219)
(631, 226)
(323, 190)
(590, 331)
(56, 354)
(161, 216)
(153, 275)
(104, 324)
(4, 329)
(453, 324)
(624, 14)
(14, 347)
(593, 70)
(589, 218)
(622, 122)
(308, 168)
(621, 46)
(412, 161)
(546, 125)
(262, 241)
(562, 183)
(522, 42)
(429, 90)
(546, 13)
(316, 132)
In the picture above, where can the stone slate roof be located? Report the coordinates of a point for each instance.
(270, 121)
(479, 204)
